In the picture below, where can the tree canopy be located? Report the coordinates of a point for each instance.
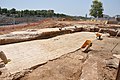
(26, 13)
(96, 9)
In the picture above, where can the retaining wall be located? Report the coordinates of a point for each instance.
(36, 34)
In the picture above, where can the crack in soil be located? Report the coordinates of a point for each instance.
(68, 66)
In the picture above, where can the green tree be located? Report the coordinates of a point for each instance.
(96, 9)
(44, 12)
(0, 10)
(18, 13)
(26, 12)
(50, 13)
(22, 13)
(13, 11)
(4, 11)
(32, 12)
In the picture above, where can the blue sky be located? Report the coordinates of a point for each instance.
(70, 7)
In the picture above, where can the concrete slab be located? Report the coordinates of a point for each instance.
(25, 55)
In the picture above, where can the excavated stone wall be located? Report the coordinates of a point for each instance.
(52, 32)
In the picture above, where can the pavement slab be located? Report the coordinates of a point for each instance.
(25, 55)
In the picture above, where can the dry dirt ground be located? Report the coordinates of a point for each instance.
(70, 64)
(45, 23)
(97, 64)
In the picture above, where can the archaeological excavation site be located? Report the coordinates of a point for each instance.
(60, 40)
(53, 49)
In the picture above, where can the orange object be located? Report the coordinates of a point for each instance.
(98, 34)
(87, 42)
